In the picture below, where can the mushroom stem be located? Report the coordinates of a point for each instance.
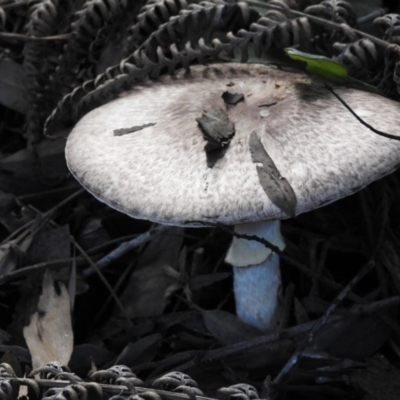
(257, 278)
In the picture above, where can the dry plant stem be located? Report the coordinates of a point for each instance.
(47, 215)
(26, 198)
(372, 15)
(104, 280)
(121, 280)
(125, 248)
(294, 359)
(395, 347)
(72, 282)
(24, 38)
(26, 271)
(105, 245)
(23, 272)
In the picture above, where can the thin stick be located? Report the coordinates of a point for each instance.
(125, 248)
(104, 280)
(25, 38)
(22, 272)
(359, 119)
(102, 263)
(47, 214)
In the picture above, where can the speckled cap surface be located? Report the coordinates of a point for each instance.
(160, 172)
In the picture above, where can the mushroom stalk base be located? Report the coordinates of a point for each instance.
(257, 278)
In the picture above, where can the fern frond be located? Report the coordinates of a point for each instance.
(91, 29)
(152, 16)
(389, 24)
(151, 61)
(362, 58)
(38, 62)
(339, 11)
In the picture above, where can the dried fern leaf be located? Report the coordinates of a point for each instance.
(44, 21)
(91, 29)
(153, 59)
(152, 16)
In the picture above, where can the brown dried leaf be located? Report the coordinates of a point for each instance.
(227, 328)
(49, 335)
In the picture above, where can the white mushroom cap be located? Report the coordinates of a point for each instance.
(160, 172)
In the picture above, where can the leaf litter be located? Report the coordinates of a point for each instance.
(176, 289)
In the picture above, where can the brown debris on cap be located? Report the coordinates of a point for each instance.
(218, 131)
(232, 98)
(160, 173)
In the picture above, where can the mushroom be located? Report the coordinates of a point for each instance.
(237, 144)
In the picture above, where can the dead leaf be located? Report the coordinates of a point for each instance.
(12, 256)
(20, 352)
(218, 130)
(7, 203)
(353, 337)
(12, 88)
(50, 243)
(380, 380)
(49, 155)
(227, 328)
(49, 335)
(232, 98)
(300, 312)
(140, 352)
(4, 336)
(276, 187)
(144, 296)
